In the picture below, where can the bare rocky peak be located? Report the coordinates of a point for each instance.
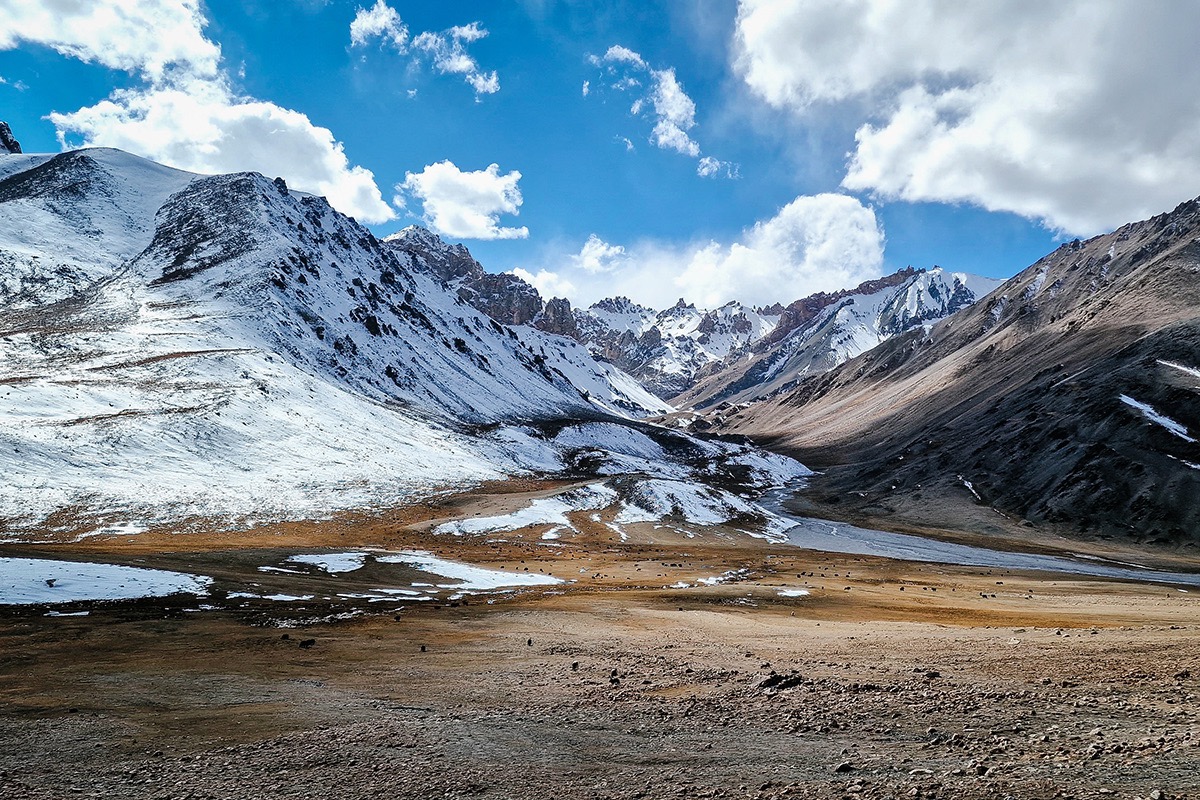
(449, 263)
(7, 140)
(504, 297)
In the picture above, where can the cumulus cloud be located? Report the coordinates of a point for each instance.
(149, 38)
(709, 167)
(815, 243)
(381, 21)
(447, 50)
(467, 205)
(185, 112)
(548, 284)
(598, 255)
(204, 127)
(675, 114)
(673, 111)
(1080, 116)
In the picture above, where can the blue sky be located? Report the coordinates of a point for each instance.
(777, 90)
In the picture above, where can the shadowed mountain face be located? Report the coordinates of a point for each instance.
(1068, 400)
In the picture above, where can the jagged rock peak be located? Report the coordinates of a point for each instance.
(618, 305)
(447, 262)
(7, 141)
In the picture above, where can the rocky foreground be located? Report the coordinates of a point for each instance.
(885, 680)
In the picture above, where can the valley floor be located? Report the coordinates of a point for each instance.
(884, 679)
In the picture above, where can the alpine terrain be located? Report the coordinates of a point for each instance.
(1066, 401)
(176, 346)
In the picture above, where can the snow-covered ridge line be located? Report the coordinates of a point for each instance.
(179, 346)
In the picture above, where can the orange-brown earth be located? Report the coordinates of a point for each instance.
(889, 679)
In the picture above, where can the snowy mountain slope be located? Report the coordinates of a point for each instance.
(71, 219)
(180, 345)
(222, 347)
(819, 333)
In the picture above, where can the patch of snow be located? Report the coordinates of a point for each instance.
(1159, 419)
(652, 500)
(543, 511)
(467, 576)
(793, 592)
(970, 487)
(729, 576)
(25, 581)
(1195, 373)
(331, 562)
(1184, 462)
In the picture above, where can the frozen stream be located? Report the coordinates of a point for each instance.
(838, 537)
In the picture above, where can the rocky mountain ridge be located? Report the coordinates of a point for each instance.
(702, 357)
(1067, 400)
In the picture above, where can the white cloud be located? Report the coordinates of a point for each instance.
(204, 127)
(184, 114)
(587, 87)
(149, 37)
(467, 205)
(548, 284)
(447, 49)
(618, 54)
(815, 243)
(709, 167)
(1080, 115)
(381, 21)
(674, 112)
(450, 57)
(599, 256)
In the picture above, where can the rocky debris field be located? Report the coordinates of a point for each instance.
(622, 695)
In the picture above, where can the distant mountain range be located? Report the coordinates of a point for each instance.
(697, 357)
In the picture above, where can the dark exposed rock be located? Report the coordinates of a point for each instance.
(504, 297)
(558, 317)
(7, 141)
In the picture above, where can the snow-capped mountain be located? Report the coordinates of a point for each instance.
(221, 344)
(820, 332)
(665, 350)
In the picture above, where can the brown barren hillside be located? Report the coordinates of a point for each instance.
(1068, 400)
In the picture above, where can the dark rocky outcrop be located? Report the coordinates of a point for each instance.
(7, 141)
(504, 297)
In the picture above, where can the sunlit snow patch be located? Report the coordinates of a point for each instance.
(793, 592)
(467, 576)
(332, 562)
(25, 581)
(651, 500)
(543, 511)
